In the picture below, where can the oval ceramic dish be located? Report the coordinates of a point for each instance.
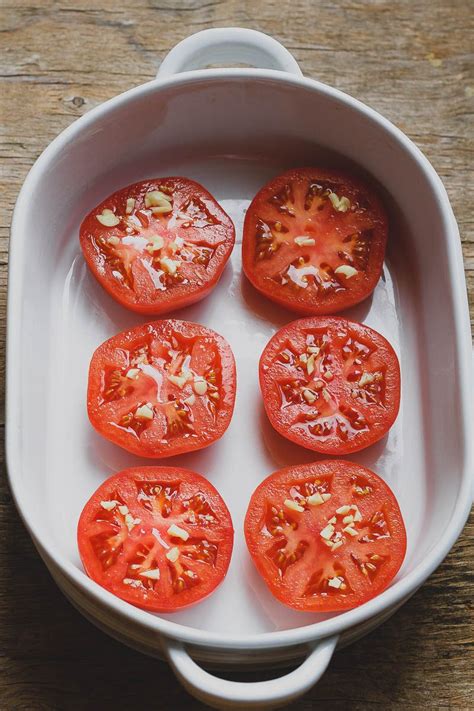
(232, 130)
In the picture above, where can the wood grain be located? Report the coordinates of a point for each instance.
(413, 62)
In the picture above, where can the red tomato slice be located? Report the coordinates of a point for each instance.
(158, 537)
(158, 245)
(330, 384)
(314, 240)
(163, 388)
(326, 536)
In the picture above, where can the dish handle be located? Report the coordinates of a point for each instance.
(224, 694)
(228, 44)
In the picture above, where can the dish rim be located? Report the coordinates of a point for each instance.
(400, 590)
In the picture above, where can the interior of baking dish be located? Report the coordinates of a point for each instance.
(230, 135)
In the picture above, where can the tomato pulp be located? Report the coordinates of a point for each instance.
(158, 245)
(326, 536)
(330, 384)
(163, 388)
(158, 537)
(314, 240)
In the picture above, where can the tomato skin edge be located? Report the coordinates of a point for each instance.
(158, 310)
(341, 448)
(121, 296)
(171, 472)
(139, 451)
(303, 310)
(254, 552)
(136, 446)
(292, 303)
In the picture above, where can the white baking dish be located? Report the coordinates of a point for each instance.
(231, 129)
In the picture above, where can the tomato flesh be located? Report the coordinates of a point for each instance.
(163, 388)
(158, 537)
(158, 245)
(329, 384)
(314, 240)
(326, 536)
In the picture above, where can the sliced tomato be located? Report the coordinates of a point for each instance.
(163, 388)
(158, 245)
(330, 384)
(158, 537)
(314, 240)
(326, 536)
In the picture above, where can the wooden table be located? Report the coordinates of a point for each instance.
(409, 60)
